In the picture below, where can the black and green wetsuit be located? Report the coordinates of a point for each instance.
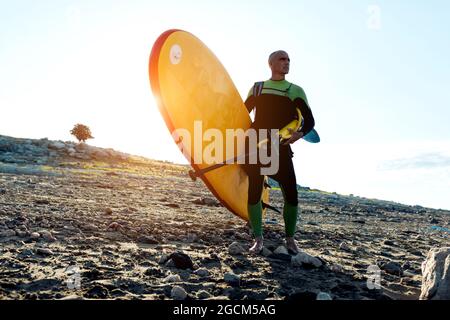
(275, 104)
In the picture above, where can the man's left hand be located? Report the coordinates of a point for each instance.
(295, 135)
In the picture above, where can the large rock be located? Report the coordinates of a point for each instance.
(172, 278)
(392, 267)
(281, 250)
(178, 293)
(202, 272)
(302, 258)
(236, 249)
(232, 279)
(182, 260)
(436, 275)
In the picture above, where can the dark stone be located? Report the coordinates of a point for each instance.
(42, 285)
(234, 293)
(406, 266)
(182, 260)
(433, 220)
(97, 292)
(147, 240)
(31, 296)
(392, 268)
(42, 201)
(280, 256)
(255, 295)
(92, 274)
(416, 253)
(155, 272)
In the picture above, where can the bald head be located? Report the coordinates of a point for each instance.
(275, 55)
(279, 63)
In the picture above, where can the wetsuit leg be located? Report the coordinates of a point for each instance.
(288, 184)
(255, 188)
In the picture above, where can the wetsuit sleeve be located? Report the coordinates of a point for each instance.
(301, 102)
(309, 122)
(250, 101)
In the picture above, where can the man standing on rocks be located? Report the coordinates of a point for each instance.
(275, 102)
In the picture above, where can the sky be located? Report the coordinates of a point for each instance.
(376, 75)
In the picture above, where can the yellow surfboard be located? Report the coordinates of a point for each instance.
(192, 87)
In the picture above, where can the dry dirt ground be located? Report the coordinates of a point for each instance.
(103, 230)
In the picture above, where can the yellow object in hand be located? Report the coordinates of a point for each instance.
(294, 125)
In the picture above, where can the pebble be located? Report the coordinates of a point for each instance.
(243, 236)
(191, 238)
(26, 253)
(44, 251)
(392, 268)
(21, 233)
(115, 226)
(304, 258)
(178, 293)
(205, 201)
(154, 272)
(97, 292)
(433, 220)
(47, 236)
(236, 249)
(344, 246)
(416, 253)
(406, 265)
(202, 273)
(35, 235)
(209, 202)
(147, 240)
(232, 279)
(336, 268)
(172, 278)
(323, 296)
(281, 250)
(266, 252)
(42, 201)
(202, 294)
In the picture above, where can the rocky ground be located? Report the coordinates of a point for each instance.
(78, 222)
